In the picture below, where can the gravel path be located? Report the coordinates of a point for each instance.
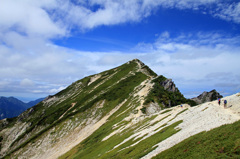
(203, 117)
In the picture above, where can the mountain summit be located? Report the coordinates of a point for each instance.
(99, 116)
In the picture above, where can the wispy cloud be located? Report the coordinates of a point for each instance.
(122, 11)
(229, 12)
(55, 18)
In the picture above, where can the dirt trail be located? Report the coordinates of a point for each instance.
(203, 117)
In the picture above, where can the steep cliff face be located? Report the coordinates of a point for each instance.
(207, 97)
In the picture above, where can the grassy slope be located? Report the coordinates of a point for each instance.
(222, 142)
(115, 93)
(94, 147)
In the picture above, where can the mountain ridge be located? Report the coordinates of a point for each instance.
(100, 111)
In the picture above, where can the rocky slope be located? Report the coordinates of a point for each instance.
(207, 97)
(125, 112)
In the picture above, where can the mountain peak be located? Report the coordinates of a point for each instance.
(143, 68)
(207, 96)
(137, 61)
(103, 108)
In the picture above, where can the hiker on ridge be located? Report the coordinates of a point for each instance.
(219, 101)
(225, 103)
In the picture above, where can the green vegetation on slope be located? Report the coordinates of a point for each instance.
(164, 97)
(222, 142)
(150, 71)
(116, 89)
(9, 123)
(94, 147)
(179, 113)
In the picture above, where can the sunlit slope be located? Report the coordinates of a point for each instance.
(148, 136)
(60, 122)
(125, 112)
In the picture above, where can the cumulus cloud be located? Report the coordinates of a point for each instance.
(29, 17)
(54, 18)
(30, 58)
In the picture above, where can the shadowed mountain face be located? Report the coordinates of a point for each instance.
(12, 107)
(96, 114)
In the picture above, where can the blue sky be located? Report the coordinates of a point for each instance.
(46, 45)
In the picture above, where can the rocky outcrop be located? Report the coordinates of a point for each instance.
(169, 85)
(152, 108)
(165, 93)
(207, 97)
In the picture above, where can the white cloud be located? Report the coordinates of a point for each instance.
(230, 12)
(194, 61)
(26, 82)
(26, 50)
(53, 18)
(28, 17)
(192, 64)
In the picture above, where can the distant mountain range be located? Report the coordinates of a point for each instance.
(12, 107)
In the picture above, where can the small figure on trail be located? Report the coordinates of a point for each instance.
(181, 105)
(225, 103)
(219, 101)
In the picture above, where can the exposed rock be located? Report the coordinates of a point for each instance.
(169, 85)
(152, 108)
(48, 97)
(94, 78)
(26, 114)
(207, 97)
